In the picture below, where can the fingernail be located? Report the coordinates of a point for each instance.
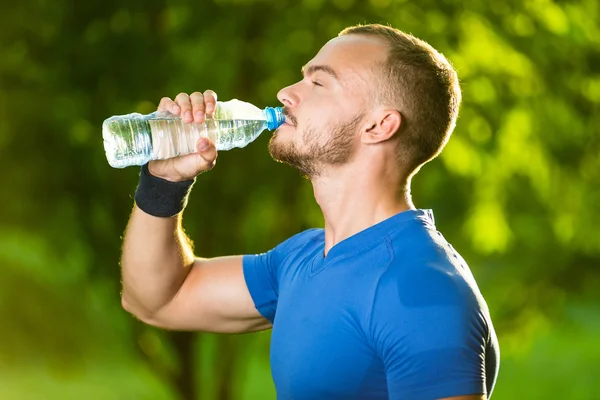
(199, 115)
(203, 145)
(175, 108)
(209, 108)
(188, 115)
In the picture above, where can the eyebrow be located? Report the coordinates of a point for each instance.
(311, 69)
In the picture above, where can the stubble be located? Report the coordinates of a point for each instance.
(310, 162)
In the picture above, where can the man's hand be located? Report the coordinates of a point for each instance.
(192, 108)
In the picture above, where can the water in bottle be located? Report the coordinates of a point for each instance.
(135, 139)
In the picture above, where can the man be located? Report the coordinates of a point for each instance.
(377, 304)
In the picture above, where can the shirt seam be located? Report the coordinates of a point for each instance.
(372, 342)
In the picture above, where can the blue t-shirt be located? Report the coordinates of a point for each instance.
(392, 312)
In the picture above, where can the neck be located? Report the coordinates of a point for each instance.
(352, 201)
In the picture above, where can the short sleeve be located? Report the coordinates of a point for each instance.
(433, 348)
(262, 273)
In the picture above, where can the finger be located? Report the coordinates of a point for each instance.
(197, 100)
(166, 104)
(183, 101)
(208, 154)
(210, 101)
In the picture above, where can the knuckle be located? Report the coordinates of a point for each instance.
(210, 94)
(208, 163)
(164, 103)
(182, 97)
(197, 99)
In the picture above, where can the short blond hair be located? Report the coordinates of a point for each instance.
(420, 83)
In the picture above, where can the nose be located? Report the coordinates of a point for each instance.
(288, 96)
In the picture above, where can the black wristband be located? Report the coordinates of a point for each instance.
(159, 197)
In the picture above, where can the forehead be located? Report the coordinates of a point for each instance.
(353, 57)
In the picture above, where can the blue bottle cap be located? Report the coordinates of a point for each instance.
(275, 117)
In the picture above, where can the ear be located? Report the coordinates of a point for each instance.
(382, 126)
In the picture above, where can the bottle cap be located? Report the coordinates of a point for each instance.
(275, 117)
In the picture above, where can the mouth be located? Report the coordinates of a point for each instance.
(289, 118)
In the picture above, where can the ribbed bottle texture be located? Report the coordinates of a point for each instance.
(135, 139)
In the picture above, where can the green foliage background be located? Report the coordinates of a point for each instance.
(515, 191)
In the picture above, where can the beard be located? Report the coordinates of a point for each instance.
(338, 150)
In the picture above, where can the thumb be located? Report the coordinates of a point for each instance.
(207, 152)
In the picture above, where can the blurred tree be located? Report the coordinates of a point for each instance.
(516, 190)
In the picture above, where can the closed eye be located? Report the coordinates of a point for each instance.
(316, 83)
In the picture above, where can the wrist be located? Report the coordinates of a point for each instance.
(161, 197)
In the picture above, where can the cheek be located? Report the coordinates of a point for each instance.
(317, 116)
(314, 132)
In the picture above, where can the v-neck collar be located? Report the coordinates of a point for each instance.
(367, 237)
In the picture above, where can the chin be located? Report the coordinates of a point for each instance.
(275, 144)
(283, 134)
(285, 128)
(280, 147)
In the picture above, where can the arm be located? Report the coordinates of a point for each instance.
(442, 358)
(434, 346)
(163, 283)
(166, 286)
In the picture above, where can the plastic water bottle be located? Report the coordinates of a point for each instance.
(135, 139)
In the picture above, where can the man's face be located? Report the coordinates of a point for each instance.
(325, 109)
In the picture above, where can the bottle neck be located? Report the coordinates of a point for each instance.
(274, 117)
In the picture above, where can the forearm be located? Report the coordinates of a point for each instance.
(156, 258)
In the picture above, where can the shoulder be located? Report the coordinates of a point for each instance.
(299, 240)
(429, 321)
(271, 264)
(426, 270)
(290, 247)
(427, 298)
(307, 235)
(427, 288)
